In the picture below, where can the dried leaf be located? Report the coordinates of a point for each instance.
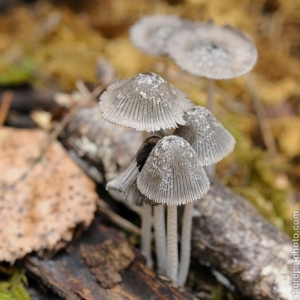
(41, 209)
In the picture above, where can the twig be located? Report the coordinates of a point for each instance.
(116, 219)
(261, 116)
(4, 108)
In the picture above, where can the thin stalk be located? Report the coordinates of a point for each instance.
(160, 239)
(210, 102)
(262, 120)
(146, 233)
(210, 105)
(172, 243)
(185, 250)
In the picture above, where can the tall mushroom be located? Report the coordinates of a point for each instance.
(213, 52)
(173, 175)
(147, 103)
(212, 142)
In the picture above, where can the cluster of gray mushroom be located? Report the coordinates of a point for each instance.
(180, 138)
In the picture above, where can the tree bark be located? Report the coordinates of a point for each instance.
(236, 240)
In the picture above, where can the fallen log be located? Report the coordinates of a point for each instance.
(86, 271)
(228, 233)
(236, 240)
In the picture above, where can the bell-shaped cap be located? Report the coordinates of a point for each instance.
(172, 173)
(144, 102)
(126, 181)
(213, 52)
(206, 135)
(150, 33)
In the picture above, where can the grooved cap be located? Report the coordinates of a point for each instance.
(144, 102)
(206, 135)
(172, 173)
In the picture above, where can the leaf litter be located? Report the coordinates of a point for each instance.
(41, 209)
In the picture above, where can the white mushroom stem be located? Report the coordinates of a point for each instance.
(210, 105)
(172, 243)
(185, 250)
(160, 239)
(210, 95)
(146, 227)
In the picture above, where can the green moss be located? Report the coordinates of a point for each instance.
(13, 288)
(16, 72)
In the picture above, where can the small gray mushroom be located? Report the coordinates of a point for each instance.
(150, 33)
(208, 137)
(173, 175)
(213, 52)
(212, 142)
(145, 102)
(126, 183)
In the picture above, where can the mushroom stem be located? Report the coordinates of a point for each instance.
(185, 250)
(210, 105)
(160, 238)
(210, 95)
(172, 241)
(146, 227)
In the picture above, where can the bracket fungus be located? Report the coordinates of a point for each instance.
(173, 175)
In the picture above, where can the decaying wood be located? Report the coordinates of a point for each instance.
(70, 277)
(236, 240)
(228, 233)
(107, 259)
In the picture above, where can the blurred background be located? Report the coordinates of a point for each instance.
(45, 46)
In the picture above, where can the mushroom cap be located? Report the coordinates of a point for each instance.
(172, 173)
(213, 52)
(150, 33)
(126, 181)
(144, 102)
(206, 135)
